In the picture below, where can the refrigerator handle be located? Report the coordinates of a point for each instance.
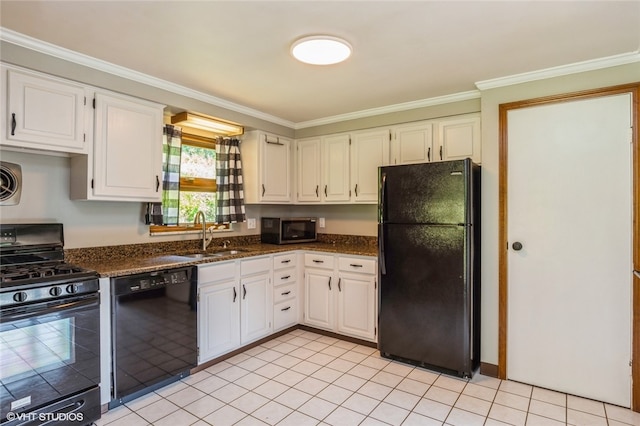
(381, 217)
(383, 190)
(381, 261)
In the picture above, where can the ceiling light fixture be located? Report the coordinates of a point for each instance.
(204, 122)
(321, 50)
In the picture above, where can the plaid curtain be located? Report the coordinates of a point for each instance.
(230, 203)
(171, 147)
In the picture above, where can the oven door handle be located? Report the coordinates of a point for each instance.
(50, 307)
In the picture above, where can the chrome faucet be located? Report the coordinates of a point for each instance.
(201, 219)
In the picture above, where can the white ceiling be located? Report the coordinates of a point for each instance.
(404, 51)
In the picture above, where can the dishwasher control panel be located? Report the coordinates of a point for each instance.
(152, 280)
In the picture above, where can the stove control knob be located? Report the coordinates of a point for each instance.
(55, 291)
(71, 288)
(20, 296)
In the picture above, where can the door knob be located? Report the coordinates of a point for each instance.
(517, 246)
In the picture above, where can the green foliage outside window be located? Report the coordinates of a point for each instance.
(197, 162)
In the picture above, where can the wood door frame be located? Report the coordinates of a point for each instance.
(634, 89)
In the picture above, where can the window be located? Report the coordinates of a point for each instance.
(197, 178)
(197, 184)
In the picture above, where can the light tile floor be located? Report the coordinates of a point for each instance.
(304, 378)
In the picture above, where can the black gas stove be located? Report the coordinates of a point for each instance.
(49, 330)
(32, 265)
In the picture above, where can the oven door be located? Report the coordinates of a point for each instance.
(48, 352)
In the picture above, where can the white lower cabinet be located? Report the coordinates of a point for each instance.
(241, 301)
(341, 296)
(285, 291)
(235, 305)
(218, 310)
(319, 297)
(357, 297)
(256, 306)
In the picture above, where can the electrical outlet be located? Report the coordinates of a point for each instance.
(251, 224)
(321, 222)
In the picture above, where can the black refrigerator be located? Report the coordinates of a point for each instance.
(429, 269)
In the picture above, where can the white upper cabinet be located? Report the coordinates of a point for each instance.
(459, 138)
(437, 140)
(308, 170)
(413, 143)
(126, 164)
(335, 168)
(266, 168)
(44, 112)
(322, 173)
(369, 150)
(341, 168)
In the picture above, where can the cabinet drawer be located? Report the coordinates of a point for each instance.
(284, 276)
(252, 266)
(314, 260)
(354, 264)
(285, 314)
(284, 260)
(216, 272)
(285, 292)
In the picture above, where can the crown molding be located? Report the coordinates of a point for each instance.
(591, 65)
(439, 100)
(40, 46)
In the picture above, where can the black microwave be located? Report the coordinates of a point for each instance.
(288, 230)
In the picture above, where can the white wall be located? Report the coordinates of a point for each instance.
(45, 198)
(491, 99)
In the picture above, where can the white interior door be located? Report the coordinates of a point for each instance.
(569, 286)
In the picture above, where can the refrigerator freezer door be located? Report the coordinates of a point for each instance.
(425, 310)
(429, 193)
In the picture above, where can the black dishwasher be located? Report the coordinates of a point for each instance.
(153, 329)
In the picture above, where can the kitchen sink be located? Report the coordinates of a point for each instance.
(221, 253)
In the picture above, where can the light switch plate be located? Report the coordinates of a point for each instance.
(321, 222)
(251, 224)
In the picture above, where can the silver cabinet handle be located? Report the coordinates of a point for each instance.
(329, 283)
(339, 288)
(244, 292)
(235, 295)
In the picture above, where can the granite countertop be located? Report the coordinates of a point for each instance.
(116, 261)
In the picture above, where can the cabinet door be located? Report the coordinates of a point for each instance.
(335, 168)
(45, 113)
(369, 150)
(218, 319)
(256, 307)
(275, 165)
(127, 149)
(459, 139)
(308, 170)
(413, 143)
(318, 298)
(356, 305)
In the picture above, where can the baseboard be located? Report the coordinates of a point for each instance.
(490, 370)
